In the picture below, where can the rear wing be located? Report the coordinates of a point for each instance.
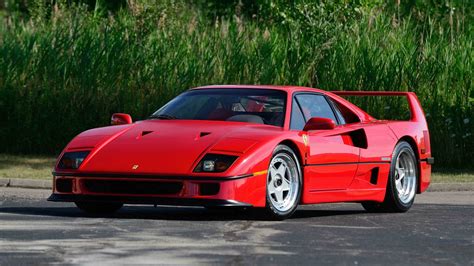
(416, 111)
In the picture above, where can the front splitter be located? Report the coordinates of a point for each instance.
(146, 200)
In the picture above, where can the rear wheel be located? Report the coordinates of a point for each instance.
(98, 207)
(402, 183)
(284, 183)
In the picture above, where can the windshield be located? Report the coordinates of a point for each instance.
(260, 106)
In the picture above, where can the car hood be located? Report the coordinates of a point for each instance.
(164, 146)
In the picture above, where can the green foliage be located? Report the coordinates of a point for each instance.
(66, 66)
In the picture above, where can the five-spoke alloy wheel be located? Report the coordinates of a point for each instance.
(402, 183)
(284, 183)
(405, 177)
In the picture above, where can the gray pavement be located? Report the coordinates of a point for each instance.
(437, 230)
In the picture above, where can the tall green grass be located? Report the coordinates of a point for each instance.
(71, 71)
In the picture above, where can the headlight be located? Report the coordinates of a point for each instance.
(215, 163)
(72, 160)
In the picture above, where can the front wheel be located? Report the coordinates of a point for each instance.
(98, 207)
(284, 184)
(402, 183)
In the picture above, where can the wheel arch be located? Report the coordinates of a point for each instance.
(414, 146)
(296, 150)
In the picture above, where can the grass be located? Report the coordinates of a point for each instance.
(30, 167)
(69, 70)
(40, 167)
(455, 176)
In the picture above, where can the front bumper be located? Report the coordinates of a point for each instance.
(240, 191)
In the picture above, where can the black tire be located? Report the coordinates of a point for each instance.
(98, 207)
(392, 201)
(270, 212)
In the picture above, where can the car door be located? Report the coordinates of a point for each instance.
(331, 161)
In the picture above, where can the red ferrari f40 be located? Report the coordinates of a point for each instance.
(271, 148)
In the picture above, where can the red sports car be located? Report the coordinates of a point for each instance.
(266, 147)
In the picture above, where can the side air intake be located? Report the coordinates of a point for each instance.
(374, 175)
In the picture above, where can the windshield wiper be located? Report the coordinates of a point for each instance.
(163, 116)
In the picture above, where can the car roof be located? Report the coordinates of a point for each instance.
(289, 89)
(363, 116)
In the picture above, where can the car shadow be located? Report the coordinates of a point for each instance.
(173, 213)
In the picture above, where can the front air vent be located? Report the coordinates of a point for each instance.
(132, 187)
(64, 185)
(144, 133)
(203, 134)
(209, 189)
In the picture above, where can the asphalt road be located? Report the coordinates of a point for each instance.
(437, 230)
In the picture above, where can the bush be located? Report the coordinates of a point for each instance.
(66, 67)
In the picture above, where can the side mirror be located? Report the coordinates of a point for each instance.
(319, 123)
(120, 119)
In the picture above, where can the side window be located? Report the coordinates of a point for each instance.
(339, 115)
(314, 105)
(297, 119)
(348, 115)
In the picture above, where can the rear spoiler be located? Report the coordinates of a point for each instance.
(416, 111)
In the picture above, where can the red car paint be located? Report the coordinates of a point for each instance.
(338, 164)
